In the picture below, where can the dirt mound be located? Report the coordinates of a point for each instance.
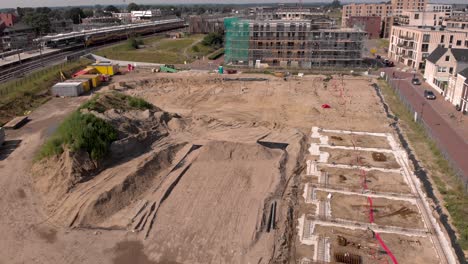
(216, 212)
(179, 183)
(138, 126)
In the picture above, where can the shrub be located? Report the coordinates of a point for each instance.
(216, 54)
(81, 132)
(139, 103)
(195, 48)
(214, 40)
(134, 43)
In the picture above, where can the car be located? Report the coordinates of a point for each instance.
(388, 63)
(429, 95)
(416, 81)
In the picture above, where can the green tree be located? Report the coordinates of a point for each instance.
(112, 9)
(214, 40)
(335, 4)
(75, 14)
(39, 21)
(133, 7)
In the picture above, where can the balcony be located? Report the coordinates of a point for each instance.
(406, 37)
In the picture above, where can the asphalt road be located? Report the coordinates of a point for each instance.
(450, 134)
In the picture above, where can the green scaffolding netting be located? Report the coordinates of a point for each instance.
(237, 40)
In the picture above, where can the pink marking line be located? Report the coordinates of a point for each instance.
(371, 220)
(389, 253)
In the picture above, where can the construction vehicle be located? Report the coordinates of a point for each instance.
(167, 68)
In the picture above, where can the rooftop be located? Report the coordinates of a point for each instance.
(461, 55)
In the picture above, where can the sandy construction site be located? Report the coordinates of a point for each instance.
(238, 168)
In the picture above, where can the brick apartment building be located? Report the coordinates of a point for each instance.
(370, 24)
(387, 12)
(411, 45)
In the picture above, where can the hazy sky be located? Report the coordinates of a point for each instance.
(35, 3)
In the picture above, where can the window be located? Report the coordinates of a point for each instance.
(426, 37)
(425, 48)
(442, 39)
(458, 42)
(451, 39)
(447, 58)
(442, 69)
(416, 16)
(451, 70)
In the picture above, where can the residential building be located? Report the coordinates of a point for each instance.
(422, 18)
(290, 43)
(388, 12)
(145, 14)
(18, 36)
(8, 19)
(460, 91)
(442, 67)
(398, 6)
(447, 8)
(206, 24)
(125, 18)
(411, 45)
(61, 26)
(457, 21)
(370, 24)
(322, 22)
(354, 10)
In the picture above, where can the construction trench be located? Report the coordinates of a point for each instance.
(331, 218)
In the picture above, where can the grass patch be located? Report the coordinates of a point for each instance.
(159, 50)
(80, 131)
(29, 92)
(114, 100)
(447, 183)
(216, 54)
(383, 43)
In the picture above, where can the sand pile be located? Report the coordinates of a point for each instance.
(137, 128)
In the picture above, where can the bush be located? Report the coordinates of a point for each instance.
(81, 132)
(138, 103)
(216, 54)
(214, 40)
(101, 103)
(195, 48)
(134, 43)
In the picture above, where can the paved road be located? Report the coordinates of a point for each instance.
(449, 132)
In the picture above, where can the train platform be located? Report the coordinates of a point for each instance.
(13, 59)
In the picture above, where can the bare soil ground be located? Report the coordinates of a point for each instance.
(363, 158)
(354, 140)
(386, 211)
(407, 249)
(192, 182)
(376, 180)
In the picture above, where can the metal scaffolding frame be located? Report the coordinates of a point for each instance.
(285, 43)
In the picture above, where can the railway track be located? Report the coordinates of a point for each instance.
(24, 68)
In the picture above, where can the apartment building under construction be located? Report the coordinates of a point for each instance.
(291, 43)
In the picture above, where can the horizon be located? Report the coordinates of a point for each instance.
(7, 4)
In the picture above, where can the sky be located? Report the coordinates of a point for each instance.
(36, 3)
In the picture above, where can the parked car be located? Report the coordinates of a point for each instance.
(429, 95)
(388, 63)
(416, 81)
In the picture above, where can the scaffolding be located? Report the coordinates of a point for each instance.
(282, 43)
(236, 49)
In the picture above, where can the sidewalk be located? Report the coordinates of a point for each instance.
(25, 55)
(451, 134)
